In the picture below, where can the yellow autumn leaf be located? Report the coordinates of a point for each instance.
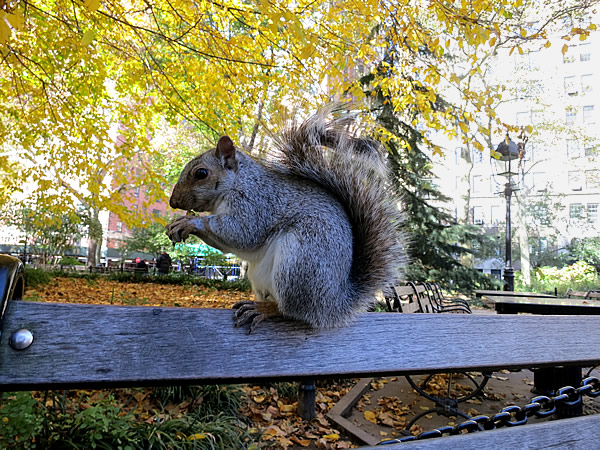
(16, 20)
(92, 5)
(370, 416)
(301, 442)
(287, 408)
(4, 32)
(88, 37)
(564, 49)
(332, 437)
(197, 436)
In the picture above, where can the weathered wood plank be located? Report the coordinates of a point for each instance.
(576, 433)
(98, 345)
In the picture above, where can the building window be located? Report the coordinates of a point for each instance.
(592, 213)
(568, 57)
(477, 184)
(156, 212)
(478, 215)
(575, 183)
(588, 113)
(573, 148)
(496, 215)
(571, 115)
(570, 86)
(136, 192)
(496, 273)
(590, 150)
(539, 181)
(458, 154)
(530, 152)
(477, 156)
(586, 83)
(523, 118)
(575, 211)
(592, 179)
(585, 54)
(119, 227)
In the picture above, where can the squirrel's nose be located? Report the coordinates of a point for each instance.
(174, 200)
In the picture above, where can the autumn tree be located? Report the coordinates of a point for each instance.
(47, 233)
(84, 82)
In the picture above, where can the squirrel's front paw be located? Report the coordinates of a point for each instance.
(180, 229)
(247, 311)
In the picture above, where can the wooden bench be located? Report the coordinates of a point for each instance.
(592, 294)
(99, 346)
(413, 297)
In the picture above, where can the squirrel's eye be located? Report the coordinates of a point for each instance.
(200, 174)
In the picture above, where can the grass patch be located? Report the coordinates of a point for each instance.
(205, 417)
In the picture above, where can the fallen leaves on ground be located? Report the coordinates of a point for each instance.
(275, 416)
(102, 291)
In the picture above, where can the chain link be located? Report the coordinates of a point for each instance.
(540, 406)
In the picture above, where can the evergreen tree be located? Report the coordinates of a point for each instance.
(436, 238)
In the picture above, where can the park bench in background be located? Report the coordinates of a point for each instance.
(62, 346)
(414, 297)
(484, 292)
(591, 294)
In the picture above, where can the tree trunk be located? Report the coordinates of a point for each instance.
(95, 239)
(467, 259)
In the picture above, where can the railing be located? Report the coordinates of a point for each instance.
(205, 271)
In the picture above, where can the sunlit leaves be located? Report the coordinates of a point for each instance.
(84, 83)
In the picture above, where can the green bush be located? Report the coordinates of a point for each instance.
(579, 276)
(37, 277)
(21, 420)
(70, 261)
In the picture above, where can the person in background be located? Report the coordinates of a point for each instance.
(140, 265)
(163, 263)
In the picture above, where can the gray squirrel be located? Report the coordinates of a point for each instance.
(315, 220)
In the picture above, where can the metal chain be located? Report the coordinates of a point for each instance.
(540, 406)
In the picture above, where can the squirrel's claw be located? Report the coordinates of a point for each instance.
(241, 303)
(247, 312)
(180, 229)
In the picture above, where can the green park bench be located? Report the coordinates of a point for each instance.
(62, 346)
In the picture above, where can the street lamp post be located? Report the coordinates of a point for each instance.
(509, 273)
(506, 152)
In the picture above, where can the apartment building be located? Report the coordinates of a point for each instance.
(558, 95)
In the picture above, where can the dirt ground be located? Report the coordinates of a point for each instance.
(387, 408)
(391, 403)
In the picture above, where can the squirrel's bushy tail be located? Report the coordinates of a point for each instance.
(354, 169)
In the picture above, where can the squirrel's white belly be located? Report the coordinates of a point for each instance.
(261, 263)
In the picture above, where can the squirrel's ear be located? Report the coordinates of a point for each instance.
(226, 153)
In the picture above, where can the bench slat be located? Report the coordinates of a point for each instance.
(100, 346)
(576, 433)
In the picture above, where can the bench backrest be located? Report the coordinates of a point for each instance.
(584, 294)
(409, 298)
